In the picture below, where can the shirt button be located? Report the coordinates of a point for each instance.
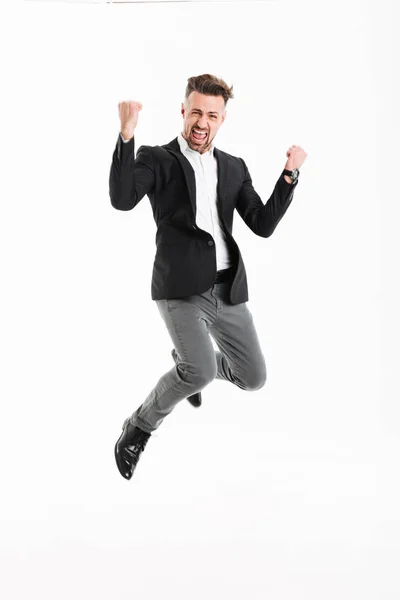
(210, 242)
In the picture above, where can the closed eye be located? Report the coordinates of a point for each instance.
(212, 116)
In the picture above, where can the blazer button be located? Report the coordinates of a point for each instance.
(210, 242)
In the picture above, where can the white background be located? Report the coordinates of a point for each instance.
(287, 493)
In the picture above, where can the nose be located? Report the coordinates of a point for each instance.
(202, 122)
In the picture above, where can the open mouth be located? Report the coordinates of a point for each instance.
(198, 137)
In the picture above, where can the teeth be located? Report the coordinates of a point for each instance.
(201, 132)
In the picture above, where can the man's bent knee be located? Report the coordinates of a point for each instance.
(257, 381)
(200, 377)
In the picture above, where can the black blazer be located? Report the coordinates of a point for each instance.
(185, 260)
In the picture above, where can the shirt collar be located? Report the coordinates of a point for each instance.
(184, 146)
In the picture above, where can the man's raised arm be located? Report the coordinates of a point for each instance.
(130, 178)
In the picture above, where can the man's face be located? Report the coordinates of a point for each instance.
(202, 113)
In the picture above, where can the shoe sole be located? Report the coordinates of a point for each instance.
(116, 454)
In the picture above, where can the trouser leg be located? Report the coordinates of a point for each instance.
(187, 323)
(240, 359)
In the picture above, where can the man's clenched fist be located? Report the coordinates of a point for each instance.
(129, 114)
(296, 156)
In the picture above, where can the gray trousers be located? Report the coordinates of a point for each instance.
(190, 322)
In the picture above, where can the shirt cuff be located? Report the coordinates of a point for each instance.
(125, 141)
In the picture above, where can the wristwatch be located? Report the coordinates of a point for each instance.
(293, 174)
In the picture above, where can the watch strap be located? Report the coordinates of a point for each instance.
(293, 174)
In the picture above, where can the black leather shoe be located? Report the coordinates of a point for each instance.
(194, 399)
(129, 447)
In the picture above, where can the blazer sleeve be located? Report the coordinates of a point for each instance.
(130, 179)
(262, 218)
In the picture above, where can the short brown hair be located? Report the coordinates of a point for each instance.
(209, 85)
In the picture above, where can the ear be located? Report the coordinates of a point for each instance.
(182, 109)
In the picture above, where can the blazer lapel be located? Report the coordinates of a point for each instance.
(222, 174)
(174, 148)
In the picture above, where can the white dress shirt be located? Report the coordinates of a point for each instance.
(206, 174)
